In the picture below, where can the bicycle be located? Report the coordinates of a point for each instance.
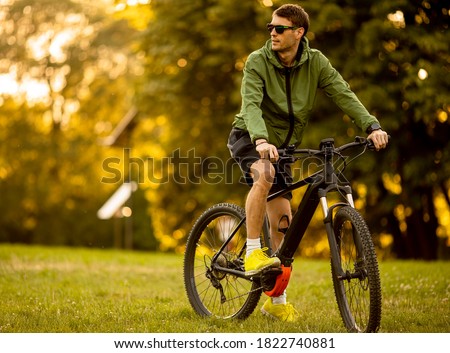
(214, 275)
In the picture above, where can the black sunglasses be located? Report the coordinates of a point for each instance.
(279, 28)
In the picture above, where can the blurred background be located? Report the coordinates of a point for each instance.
(114, 117)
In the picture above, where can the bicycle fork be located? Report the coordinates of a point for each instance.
(328, 217)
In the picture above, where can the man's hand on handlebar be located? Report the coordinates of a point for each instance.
(380, 139)
(266, 150)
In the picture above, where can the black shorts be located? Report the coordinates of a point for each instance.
(244, 153)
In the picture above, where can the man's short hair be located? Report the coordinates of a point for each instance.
(294, 13)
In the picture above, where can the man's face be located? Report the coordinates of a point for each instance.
(288, 39)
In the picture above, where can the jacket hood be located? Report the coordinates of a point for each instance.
(303, 50)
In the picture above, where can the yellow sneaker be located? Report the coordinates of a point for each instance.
(258, 261)
(284, 312)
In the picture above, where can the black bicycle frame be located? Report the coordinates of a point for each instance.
(319, 185)
(301, 219)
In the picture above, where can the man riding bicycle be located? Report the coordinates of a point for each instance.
(278, 90)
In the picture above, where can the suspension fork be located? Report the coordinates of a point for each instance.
(328, 220)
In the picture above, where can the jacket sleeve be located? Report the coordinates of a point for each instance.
(339, 91)
(252, 92)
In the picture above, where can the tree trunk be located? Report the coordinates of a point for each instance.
(419, 241)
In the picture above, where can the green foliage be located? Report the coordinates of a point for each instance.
(73, 53)
(180, 63)
(379, 47)
(45, 186)
(195, 51)
(410, 43)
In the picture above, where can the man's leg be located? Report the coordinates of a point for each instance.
(255, 207)
(280, 215)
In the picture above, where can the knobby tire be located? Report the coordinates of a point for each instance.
(358, 299)
(205, 287)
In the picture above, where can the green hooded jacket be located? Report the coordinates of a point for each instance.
(277, 101)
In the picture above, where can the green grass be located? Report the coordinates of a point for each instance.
(49, 289)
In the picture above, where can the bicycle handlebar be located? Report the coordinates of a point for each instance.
(326, 145)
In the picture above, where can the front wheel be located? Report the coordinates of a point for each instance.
(217, 241)
(358, 291)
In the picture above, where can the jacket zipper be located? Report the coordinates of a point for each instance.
(287, 74)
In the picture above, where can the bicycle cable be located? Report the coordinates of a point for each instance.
(347, 162)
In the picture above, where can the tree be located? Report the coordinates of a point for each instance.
(393, 53)
(195, 51)
(395, 56)
(180, 62)
(69, 61)
(409, 89)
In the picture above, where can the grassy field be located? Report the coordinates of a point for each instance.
(45, 289)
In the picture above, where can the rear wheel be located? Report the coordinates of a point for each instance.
(358, 293)
(212, 292)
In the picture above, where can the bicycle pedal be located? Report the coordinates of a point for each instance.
(269, 277)
(272, 271)
(275, 280)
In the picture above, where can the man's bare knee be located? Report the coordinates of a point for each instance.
(263, 173)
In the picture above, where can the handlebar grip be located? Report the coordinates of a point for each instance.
(370, 144)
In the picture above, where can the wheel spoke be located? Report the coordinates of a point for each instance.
(358, 294)
(211, 291)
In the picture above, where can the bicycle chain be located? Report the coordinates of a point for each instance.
(208, 270)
